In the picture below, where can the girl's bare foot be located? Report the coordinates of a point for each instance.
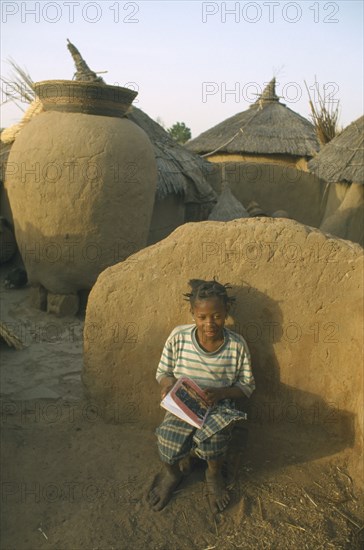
(163, 486)
(217, 493)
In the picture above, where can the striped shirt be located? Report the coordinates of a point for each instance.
(229, 365)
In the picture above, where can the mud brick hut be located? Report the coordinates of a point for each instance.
(262, 153)
(341, 164)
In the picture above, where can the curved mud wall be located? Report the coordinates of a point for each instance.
(344, 212)
(299, 306)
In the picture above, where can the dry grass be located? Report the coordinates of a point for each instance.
(324, 115)
(9, 337)
(18, 87)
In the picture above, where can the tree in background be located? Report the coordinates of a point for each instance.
(180, 132)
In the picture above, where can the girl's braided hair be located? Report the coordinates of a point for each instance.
(202, 290)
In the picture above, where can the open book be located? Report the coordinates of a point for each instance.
(187, 401)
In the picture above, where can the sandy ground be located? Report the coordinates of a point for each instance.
(71, 481)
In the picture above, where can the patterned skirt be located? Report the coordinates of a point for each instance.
(176, 438)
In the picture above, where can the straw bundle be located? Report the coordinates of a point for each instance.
(9, 337)
(324, 117)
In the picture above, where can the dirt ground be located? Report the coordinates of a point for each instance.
(71, 481)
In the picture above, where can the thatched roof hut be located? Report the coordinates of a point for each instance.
(228, 208)
(180, 172)
(340, 164)
(342, 160)
(267, 131)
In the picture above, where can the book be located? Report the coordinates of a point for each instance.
(187, 401)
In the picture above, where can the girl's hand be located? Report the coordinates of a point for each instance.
(214, 395)
(167, 384)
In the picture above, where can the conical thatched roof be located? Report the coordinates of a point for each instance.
(179, 171)
(227, 208)
(342, 160)
(267, 127)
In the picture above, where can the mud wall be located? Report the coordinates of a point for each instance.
(274, 187)
(344, 213)
(168, 214)
(299, 306)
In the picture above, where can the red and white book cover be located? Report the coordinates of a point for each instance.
(187, 401)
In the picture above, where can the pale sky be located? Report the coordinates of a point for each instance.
(194, 62)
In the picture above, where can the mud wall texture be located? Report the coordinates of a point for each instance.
(168, 214)
(298, 304)
(344, 213)
(273, 187)
(81, 190)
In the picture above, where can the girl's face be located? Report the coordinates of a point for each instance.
(210, 316)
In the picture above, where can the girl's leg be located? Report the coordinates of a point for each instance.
(216, 490)
(214, 450)
(174, 439)
(174, 443)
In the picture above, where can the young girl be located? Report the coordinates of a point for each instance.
(218, 360)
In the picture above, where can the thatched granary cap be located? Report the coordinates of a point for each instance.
(227, 208)
(267, 127)
(180, 172)
(342, 159)
(269, 93)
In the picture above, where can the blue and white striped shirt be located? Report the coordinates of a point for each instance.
(230, 365)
